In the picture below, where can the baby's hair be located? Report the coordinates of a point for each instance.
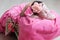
(37, 2)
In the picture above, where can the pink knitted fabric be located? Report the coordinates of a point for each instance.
(32, 28)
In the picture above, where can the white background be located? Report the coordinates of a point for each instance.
(6, 4)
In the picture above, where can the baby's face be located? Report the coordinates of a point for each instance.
(42, 10)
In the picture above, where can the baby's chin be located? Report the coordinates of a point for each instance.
(47, 16)
(51, 16)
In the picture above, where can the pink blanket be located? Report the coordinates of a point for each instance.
(32, 28)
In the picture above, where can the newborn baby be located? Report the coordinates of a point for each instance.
(42, 10)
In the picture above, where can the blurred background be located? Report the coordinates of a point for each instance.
(6, 4)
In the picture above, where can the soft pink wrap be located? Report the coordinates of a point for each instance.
(32, 28)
